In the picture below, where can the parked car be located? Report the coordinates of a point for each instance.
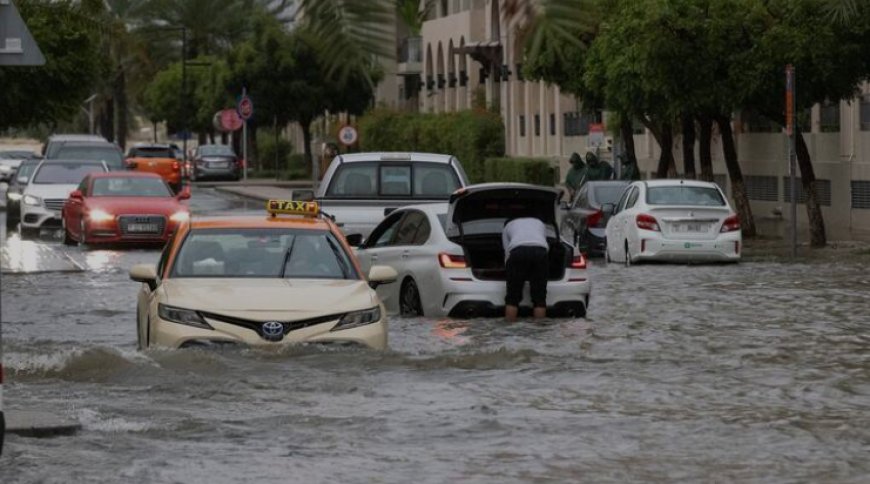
(451, 262)
(215, 161)
(156, 158)
(673, 220)
(47, 190)
(55, 141)
(126, 207)
(10, 160)
(360, 189)
(104, 151)
(585, 219)
(14, 192)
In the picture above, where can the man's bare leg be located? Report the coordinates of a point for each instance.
(510, 313)
(539, 313)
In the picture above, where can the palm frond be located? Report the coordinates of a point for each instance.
(842, 11)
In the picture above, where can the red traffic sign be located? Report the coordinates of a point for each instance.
(246, 108)
(348, 135)
(227, 120)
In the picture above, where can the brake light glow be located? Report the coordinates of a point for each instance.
(731, 224)
(450, 261)
(175, 166)
(594, 219)
(647, 222)
(578, 262)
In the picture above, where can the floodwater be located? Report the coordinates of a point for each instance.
(757, 372)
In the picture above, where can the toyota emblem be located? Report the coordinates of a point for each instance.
(273, 330)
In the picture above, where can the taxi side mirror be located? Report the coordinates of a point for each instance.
(354, 240)
(76, 195)
(184, 194)
(382, 275)
(146, 274)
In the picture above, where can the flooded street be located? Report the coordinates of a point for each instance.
(757, 372)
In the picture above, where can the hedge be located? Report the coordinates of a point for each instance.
(537, 171)
(470, 136)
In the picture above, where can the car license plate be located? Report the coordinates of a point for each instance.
(218, 164)
(141, 227)
(697, 227)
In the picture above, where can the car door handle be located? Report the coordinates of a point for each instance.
(406, 254)
(374, 257)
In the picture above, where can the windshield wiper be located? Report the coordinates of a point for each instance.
(337, 253)
(287, 256)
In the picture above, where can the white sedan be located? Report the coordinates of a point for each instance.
(673, 220)
(450, 258)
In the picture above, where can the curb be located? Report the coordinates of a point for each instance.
(31, 423)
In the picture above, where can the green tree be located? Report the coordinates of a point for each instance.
(53, 92)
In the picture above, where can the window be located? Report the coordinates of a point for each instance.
(434, 180)
(684, 195)
(861, 194)
(761, 187)
(829, 117)
(621, 206)
(395, 180)
(632, 197)
(374, 179)
(823, 191)
(382, 235)
(445, 8)
(355, 180)
(522, 124)
(109, 154)
(150, 152)
(129, 187)
(263, 253)
(552, 124)
(537, 125)
(865, 114)
(608, 193)
(576, 123)
(409, 231)
(65, 173)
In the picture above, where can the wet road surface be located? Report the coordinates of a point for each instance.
(757, 372)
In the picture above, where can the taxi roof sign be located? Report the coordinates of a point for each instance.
(292, 207)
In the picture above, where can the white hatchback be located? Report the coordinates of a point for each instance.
(673, 220)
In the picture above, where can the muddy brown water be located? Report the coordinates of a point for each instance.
(756, 372)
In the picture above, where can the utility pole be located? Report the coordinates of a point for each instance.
(185, 134)
(792, 168)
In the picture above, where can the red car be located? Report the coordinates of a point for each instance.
(123, 207)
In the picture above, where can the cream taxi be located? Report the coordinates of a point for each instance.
(282, 278)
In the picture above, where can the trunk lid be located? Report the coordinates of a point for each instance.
(690, 222)
(483, 209)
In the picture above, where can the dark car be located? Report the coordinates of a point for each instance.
(585, 219)
(215, 161)
(104, 151)
(10, 160)
(13, 192)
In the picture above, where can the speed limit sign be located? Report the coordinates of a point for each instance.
(245, 107)
(348, 135)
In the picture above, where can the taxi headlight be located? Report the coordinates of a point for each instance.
(182, 316)
(99, 216)
(358, 318)
(180, 216)
(14, 196)
(31, 200)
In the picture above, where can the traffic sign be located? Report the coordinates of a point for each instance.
(246, 107)
(227, 120)
(596, 135)
(348, 135)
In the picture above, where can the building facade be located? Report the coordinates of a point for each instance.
(469, 54)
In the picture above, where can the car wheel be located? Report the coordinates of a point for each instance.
(27, 233)
(11, 223)
(82, 238)
(141, 341)
(627, 255)
(409, 300)
(67, 237)
(607, 259)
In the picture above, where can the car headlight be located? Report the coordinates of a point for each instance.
(182, 316)
(99, 216)
(358, 318)
(6, 169)
(180, 216)
(31, 200)
(14, 196)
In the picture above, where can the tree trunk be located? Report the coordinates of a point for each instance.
(201, 137)
(119, 92)
(738, 189)
(808, 181)
(667, 165)
(705, 158)
(627, 132)
(688, 122)
(107, 120)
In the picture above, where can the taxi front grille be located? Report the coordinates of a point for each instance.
(256, 326)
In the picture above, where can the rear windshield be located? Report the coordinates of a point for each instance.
(108, 154)
(608, 193)
(17, 155)
(152, 153)
(65, 173)
(263, 253)
(374, 179)
(129, 187)
(216, 150)
(685, 195)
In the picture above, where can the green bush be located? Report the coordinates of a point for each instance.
(470, 136)
(267, 149)
(537, 171)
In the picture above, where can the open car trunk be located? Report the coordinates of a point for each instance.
(476, 217)
(485, 255)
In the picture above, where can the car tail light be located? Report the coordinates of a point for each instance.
(594, 219)
(450, 261)
(647, 222)
(578, 262)
(731, 224)
(175, 166)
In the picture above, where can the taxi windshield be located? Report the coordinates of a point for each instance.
(263, 253)
(129, 187)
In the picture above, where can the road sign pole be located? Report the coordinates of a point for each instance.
(790, 126)
(245, 138)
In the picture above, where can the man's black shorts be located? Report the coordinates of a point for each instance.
(527, 263)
